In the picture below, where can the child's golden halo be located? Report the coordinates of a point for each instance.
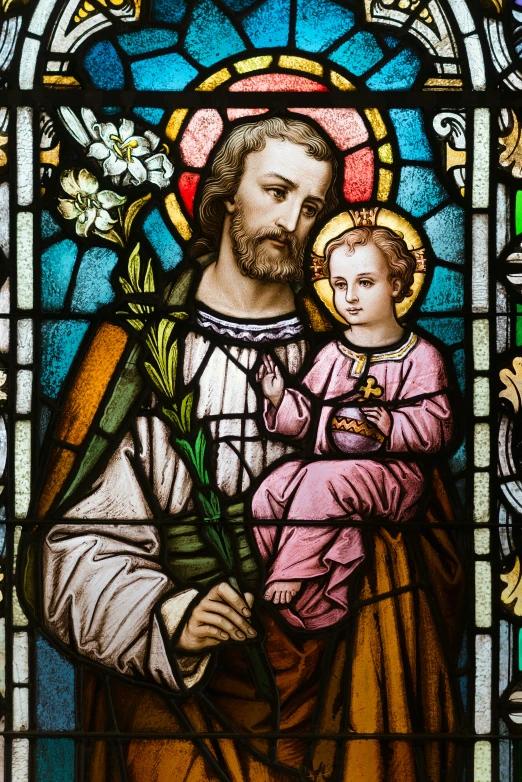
(357, 218)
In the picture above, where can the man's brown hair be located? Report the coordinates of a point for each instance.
(229, 165)
(401, 261)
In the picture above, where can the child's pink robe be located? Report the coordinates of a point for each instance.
(351, 486)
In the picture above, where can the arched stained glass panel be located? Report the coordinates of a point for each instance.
(260, 389)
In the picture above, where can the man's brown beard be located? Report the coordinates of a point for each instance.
(256, 261)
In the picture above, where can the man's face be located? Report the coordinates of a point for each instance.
(280, 194)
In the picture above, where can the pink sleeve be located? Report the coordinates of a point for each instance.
(291, 417)
(425, 426)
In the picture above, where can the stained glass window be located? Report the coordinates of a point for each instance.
(260, 390)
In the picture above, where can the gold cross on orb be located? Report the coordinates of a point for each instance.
(372, 388)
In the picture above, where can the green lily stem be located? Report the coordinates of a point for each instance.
(259, 663)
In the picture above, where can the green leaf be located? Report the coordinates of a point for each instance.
(136, 324)
(127, 287)
(155, 377)
(132, 211)
(172, 363)
(111, 236)
(186, 410)
(134, 269)
(148, 285)
(173, 417)
(200, 447)
(187, 449)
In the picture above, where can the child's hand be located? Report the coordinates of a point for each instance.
(380, 418)
(271, 381)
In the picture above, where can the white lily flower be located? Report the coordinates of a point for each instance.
(88, 206)
(124, 153)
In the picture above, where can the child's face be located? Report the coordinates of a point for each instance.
(363, 292)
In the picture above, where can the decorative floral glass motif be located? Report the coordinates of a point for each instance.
(260, 390)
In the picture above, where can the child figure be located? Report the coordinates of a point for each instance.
(380, 394)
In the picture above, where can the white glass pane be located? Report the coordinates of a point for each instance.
(20, 658)
(24, 390)
(20, 708)
(24, 340)
(481, 498)
(481, 540)
(481, 397)
(481, 345)
(483, 593)
(482, 763)
(24, 261)
(22, 468)
(483, 684)
(24, 155)
(480, 189)
(20, 761)
(479, 276)
(4, 222)
(481, 445)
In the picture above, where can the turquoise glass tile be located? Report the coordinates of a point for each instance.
(60, 342)
(448, 330)
(147, 40)
(358, 54)
(411, 136)
(165, 72)
(211, 36)
(269, 24)
(103, 65)
(446, 233)
(49, 226)
(446, 291)
(149, 114)
(398, 74)
(458, 460)
(167, 249)
(93, 287)
(239, 5)
(57, 266)
(459, 360)
(171, 11)
(419, 190)
(320, 24)
(55, 688)
(55, 760)
(392, 42)
(45, 418)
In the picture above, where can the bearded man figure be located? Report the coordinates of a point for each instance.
(111, 590)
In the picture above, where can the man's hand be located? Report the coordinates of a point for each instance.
(272, 383)
(220, 616)
(380, 418)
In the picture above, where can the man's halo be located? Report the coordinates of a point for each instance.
(357, 218)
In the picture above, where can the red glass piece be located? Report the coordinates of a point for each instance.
(277, 82)
(358, 175)
(199, 138)
(188, 185)
(238, 113)
(344, 126)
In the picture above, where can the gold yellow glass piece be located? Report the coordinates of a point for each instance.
(385, 153)
(59, 80)
(377, 123)
(253, 64)
(300, 64)
(369, 216)
(175, 122)
(443, 84)
(512, 593)
(384, 185)
(214, 81)
(177, 217)
(340, 82)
